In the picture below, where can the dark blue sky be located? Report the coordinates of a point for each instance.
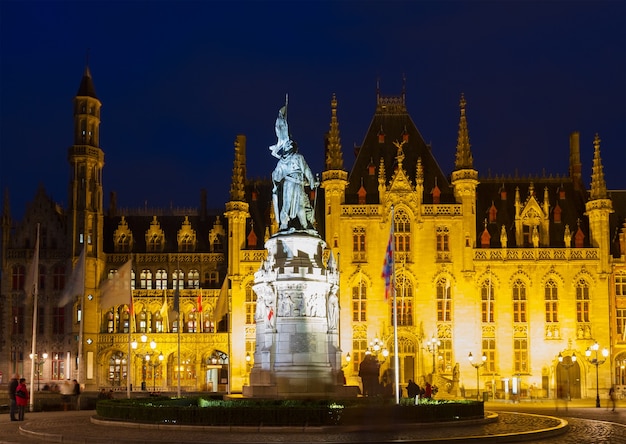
(179, 80)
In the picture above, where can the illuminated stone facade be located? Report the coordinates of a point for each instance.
(517, 268)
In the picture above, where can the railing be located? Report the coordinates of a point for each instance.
(536, 254)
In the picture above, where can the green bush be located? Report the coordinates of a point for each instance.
(245, 412)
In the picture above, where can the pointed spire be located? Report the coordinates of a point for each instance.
(237, 192)
(334, 157)
(598, 185)
(464, 158)
(86, 87)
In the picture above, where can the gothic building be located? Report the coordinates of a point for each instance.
(520, 271)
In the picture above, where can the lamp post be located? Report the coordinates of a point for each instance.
(432, 345)
(154, 365)
(595, 360)
(567, 366)
(134, 345)
(477, 366)
(39, 362)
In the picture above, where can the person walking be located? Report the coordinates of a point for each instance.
(612, 397)
(76, 394)
(12, 401)
(21, 396)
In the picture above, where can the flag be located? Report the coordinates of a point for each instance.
(388, 265)
(165, 313)
(270, 314)
(116, 290)
(199, 302)
(221, 307)
(76, 282)
(32, 273)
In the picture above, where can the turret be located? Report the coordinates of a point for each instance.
(86, 161)
(334, 178)
(465, 182)
(598, 209)
(237, 208)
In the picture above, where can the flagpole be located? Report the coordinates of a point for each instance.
(396, 361)
(130, 327)
(178, 326)
(35, 271)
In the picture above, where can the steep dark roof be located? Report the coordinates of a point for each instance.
(170, 224)
(392, 119)
(617, 220)
(86, 87)
(490, 192)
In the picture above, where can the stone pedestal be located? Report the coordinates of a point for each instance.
(297, 344)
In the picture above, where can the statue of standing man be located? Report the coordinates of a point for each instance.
(291, 175)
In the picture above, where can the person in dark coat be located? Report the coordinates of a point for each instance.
(12, 389)
(368, 371)
(412, 389)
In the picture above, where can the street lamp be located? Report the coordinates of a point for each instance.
(432, 345)
(39, 362)
(597, 362)
(477, 365)
(154, 366)
(134, 345)
(567, 366)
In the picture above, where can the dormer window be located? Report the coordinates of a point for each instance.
(381, 135)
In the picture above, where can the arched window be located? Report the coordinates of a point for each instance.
(552, 299)
(358, 244)
(359, 302)
(143, 322)
(178, 280)
(519, 301)
(404, 299)
(402, 232)
(488, 298)
(443, 239)
(444, 300)
(582, 301)
(123, 244)
(250, 304)
(187, 243)
(154, 243)
(161, 279)
(193, 279)
(117, 369)
(192, 323)
(145, 279)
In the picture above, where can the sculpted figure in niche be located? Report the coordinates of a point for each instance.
(290, 177)
(333, 309)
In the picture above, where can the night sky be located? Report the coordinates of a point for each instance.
(179, 80)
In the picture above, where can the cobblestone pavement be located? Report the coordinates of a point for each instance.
(586, 425)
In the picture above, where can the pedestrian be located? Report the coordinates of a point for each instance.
(428, 391)
(412, 389)
(12, 401)
(21, 397)
(66, 393)
(76, 394)
(612, 397)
